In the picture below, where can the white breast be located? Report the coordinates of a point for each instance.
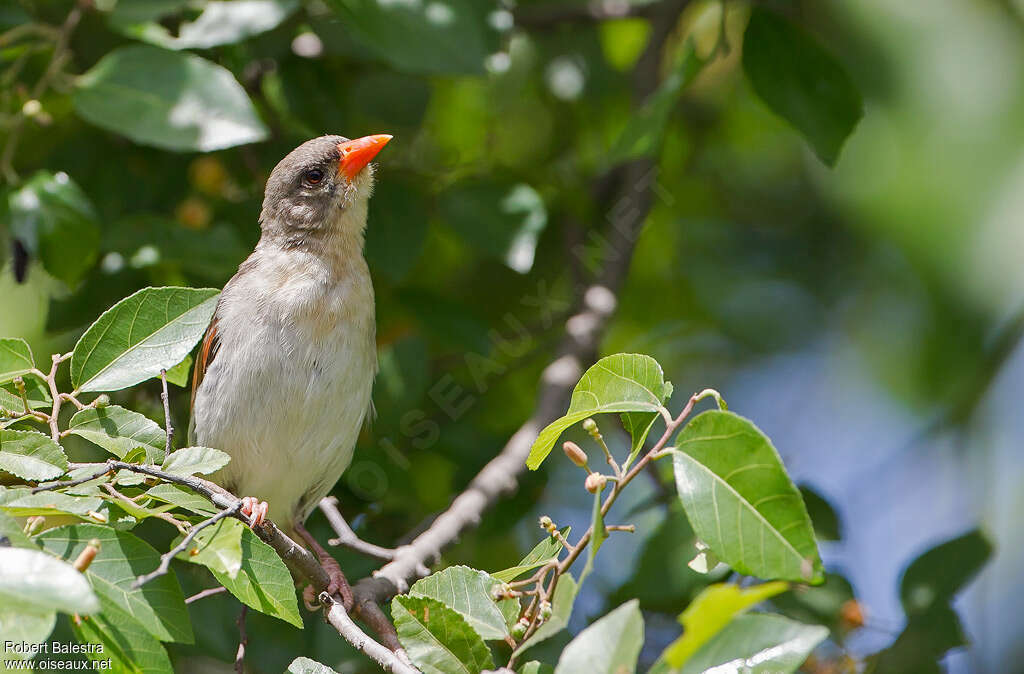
(289, 387)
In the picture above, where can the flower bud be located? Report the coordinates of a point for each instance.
(575, 454)
(595, 483)
(589, 425)
(519, 629)
(545, 610)
(102, 400)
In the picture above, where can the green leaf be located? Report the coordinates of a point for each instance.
(178, 375)
(611, 645)
(467, 592)
(423, 37)
(710, 612)
(119, 431)
(926, 638)
(158, 606)
(56, 223)
(740, 500)
(19, 623)
(758, 643)
(125, 642)
(21, 502)
(307, 666)
(36, 582)
(263, 582)
(36, 393)
(192, 460)
(561, 610)
(11, 533)
(644, 133)
(542, 553)
(167, 99)
(217, 547)
(936, 576)
(500, 219)
(15, 360)
(625, 382)
(535, 667)
(220, 22)
(801, 82)
(182, 498)
(437, 638)
(599, 535)
(142, 334)
(31, 455)
(824, 518)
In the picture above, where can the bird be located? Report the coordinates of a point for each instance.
(284, 374)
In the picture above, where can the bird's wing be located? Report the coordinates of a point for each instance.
(207, 351)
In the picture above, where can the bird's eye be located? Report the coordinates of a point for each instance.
(313, 176)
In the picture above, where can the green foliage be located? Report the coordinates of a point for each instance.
(801, 82)
(218, 23)
(150, 331)
(544, 552)
(119, 431)
(438, 639)
(469, 593)
(740, 500)
(195, 460)
(31, 455)
(619, 383)
(15, 358)
(138, 91)
(758, 643)
(609, 646)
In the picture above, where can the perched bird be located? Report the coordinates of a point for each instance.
(284, 375)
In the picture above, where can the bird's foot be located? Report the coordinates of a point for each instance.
(255, 510)
(337, 585)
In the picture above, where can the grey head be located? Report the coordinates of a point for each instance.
(316, 184)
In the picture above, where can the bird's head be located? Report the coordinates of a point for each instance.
(321, 186)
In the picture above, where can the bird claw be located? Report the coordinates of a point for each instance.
(337, 585)
(255, 510)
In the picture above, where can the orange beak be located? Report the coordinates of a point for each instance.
(356, 154)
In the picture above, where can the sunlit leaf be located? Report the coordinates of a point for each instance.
(307, 666)
(625, 382)
(542, 553)
(31, 455)
(757, 643)
(15, 358)
(37, 582)
(740, 500)
(158, 606)
(710, 612)
(167, 99)
(178, 375)
(142, 334)
(801, 81)
(610, 645)
(193, 460)
(119, 431)
(36, 393)
(467, 592)
(21, 502)
(217, 547)
(437, 638)
(263, 582)
(183, 498)
(220, 22)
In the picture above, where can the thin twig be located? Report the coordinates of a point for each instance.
(167, 412)
(243, 641)
(167, 517)
(206, 593)
(347, 537)
(48, 486)
(389, 660)
(165, 559)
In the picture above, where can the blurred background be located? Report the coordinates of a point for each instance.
(866, 315)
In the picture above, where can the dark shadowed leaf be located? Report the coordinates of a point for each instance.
(926, 638)
(741, 502)
(119, 431)
(396, 229)
(56, 223)
(609, 646)
(168, 99)
(936, 576)
(801, 82)
(142, 334)
(827, 526)
(158, 606)
(31, 455)
(453, 36)
(437, 638)
(625, 382)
